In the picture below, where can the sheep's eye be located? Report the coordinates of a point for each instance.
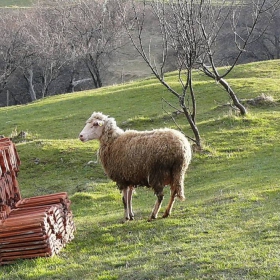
(95, 124)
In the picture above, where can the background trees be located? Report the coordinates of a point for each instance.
(93, 31)
(13, 50)
(59, 46)
(56, 46)
(45, 37)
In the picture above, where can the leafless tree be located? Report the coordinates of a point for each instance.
(13, 49)
(134, 18)
(212, 20)
(93, 30)
(45, 33)
(57, 39)
(193, 30)
(267, 36)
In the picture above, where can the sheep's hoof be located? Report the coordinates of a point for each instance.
(126, 219)
(152, 218)
(165, 215)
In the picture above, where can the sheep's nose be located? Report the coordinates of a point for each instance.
(81, 136)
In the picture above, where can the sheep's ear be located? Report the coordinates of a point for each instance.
(98, 123)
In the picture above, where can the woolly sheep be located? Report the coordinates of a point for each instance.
(132, 158)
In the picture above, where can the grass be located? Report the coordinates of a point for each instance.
(16, 3)
(228, 227)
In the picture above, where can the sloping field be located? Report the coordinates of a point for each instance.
(228, 227)
(15, 3)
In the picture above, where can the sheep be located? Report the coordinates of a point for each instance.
(133, 158)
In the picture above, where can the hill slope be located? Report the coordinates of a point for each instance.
(228, 227)
(16, 3)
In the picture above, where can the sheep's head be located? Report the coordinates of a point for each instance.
(93, 128)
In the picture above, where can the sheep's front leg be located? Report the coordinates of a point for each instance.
(127, 203)
(124, 199)
(157, 206)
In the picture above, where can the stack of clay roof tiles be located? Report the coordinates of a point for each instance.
(32, 227)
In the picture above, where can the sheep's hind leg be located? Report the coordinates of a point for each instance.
(170, 204)
(157, 206)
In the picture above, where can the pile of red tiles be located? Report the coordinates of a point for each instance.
(33, 227)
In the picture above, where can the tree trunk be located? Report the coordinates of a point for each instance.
(193, 115)
(233, 96)
(94, 71)
(8, 98)
(193, 127)
(29, 79)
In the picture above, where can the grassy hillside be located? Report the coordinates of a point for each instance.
(228, 227)
(15, 3)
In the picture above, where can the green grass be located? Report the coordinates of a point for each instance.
(15, 3)
(228, 227)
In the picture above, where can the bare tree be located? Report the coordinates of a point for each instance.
(13, 49)
(267, 36)
(211, 22)
(93, 32)
(181, 38)
(45, 32)
(55, 40)
(193, 30)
